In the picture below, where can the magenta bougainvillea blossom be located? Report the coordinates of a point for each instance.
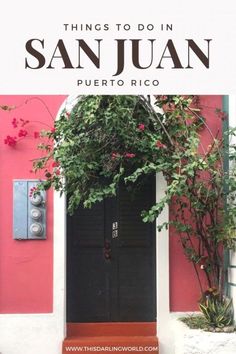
(36, 135)
(10, 140)
(55, 164)
(160, 145)
(14, 123)
(141, 127)
(129, 155)
(32, 191)
(19, 122)
(115, 155)
(22, 133)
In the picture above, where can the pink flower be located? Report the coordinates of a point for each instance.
(32, 191)
(55, 164)
(129, 155)
(164, 97)
(115, 155)
(141, 127)
(14, 123)
(10, 140)
(24, 122)
(53, 130)
(160, 145)
(22, 133)
(36, 135)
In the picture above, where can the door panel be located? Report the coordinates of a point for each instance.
(136, 295)
(133, 231)
(136, 254)
(88, 278)
(91, 283)
(87, 227)
(111, 277)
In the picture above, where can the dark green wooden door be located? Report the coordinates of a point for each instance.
(111, 260)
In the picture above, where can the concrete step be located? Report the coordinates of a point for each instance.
(104, 338)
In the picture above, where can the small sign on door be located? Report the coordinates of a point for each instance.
(114, 233)
(115, 225)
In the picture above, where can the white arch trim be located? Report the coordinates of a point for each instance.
(162, 260)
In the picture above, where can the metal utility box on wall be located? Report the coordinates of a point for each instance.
(29, 212)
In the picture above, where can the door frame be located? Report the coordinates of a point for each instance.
(162, 259)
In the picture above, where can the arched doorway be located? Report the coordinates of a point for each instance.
(73, 331)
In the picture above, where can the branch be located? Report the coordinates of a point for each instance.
(154, 113)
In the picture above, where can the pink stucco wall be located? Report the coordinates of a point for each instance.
(26, 267)
(184, 289)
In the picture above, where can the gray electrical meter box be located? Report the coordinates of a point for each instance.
(29, 211)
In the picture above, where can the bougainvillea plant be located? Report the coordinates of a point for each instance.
(105, 140)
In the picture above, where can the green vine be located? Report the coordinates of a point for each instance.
(106, 140)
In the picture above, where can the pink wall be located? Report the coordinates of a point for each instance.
(184, 289)
(26, 267)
